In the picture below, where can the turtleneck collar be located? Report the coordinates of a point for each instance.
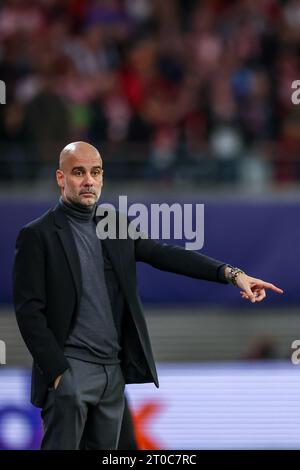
(78, 211)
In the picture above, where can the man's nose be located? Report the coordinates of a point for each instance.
(88, 180)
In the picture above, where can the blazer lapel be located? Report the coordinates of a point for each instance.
(114, 249)
(65, 235)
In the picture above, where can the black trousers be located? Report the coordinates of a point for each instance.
(85, 411)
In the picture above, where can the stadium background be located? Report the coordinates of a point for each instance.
(188, 101)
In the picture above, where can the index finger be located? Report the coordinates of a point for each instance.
(268, 285)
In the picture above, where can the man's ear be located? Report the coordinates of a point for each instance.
(60, 178)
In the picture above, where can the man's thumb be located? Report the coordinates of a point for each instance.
(250, 295)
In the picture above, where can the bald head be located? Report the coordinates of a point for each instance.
(77, 149)
(80, 173)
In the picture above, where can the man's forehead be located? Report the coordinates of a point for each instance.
(84, 161)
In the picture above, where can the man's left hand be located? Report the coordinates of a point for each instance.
(254, 289)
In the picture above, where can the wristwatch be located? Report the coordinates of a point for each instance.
(233, 273)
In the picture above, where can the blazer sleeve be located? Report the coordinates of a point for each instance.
(178, 260)
(29, 295)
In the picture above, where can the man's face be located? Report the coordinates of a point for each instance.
(81, 177)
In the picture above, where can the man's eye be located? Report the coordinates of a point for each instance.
(78, 173)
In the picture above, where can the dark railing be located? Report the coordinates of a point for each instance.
(138, 162)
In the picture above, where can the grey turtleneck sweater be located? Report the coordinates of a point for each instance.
(93, 336)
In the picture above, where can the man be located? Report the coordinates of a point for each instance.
(78, 309)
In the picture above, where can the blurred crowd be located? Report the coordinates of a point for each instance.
(166, 89)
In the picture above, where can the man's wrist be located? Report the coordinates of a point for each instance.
(232, 273)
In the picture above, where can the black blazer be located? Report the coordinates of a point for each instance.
(47, 289)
